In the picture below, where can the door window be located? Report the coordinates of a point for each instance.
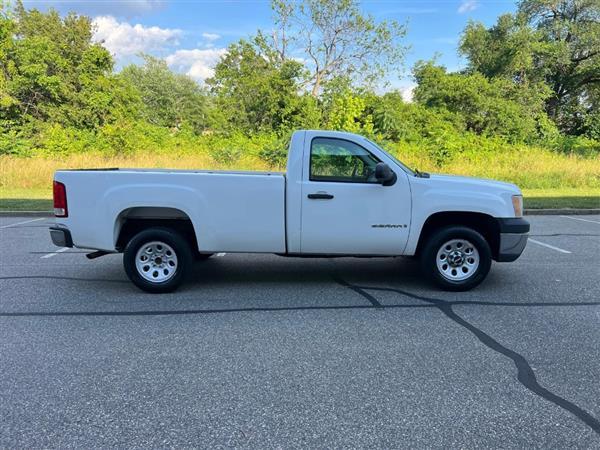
(342, 161)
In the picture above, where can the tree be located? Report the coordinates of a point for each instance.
(488, 106)
(170, 99)
(257, 92)
(571, 28)
(7, 101)
(346, 108)
(334, 38)
(554, 41)
(51, 71)
(509, 49)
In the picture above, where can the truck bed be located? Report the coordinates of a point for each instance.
(225, 207)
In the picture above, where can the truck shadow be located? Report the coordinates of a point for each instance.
(268, 270)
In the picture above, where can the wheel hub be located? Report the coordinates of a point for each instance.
(457, 260)
(156, 262)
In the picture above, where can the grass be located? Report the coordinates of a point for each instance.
(23, 199)
(527, 167)
(548, 179)
(584, 198)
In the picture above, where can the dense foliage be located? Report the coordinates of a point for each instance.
(533, 79)
(555, 43)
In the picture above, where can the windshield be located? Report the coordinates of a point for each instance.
(409, 170)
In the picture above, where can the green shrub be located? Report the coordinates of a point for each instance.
(275, 153)
(578, 145)
(13, 143)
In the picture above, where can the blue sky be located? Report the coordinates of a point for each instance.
(192, 34)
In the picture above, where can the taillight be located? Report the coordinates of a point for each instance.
(60, 200)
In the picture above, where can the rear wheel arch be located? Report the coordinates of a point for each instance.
(132, 221)
(484, 224)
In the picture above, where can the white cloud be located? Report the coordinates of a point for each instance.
(124, 39)
(468, 6)
(197, 63)
(211, 36)
(407, 92)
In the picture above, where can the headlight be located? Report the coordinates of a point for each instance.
(517, 201)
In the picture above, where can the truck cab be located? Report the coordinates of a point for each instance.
(350, 197)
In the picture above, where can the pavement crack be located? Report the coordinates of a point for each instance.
(360, 291)
(525, 373)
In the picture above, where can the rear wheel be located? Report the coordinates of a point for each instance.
(456, 258)
(157, 260)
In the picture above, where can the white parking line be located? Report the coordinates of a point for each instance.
(50, 255)
(21, 223)
(583, 220)
(220, 255)
(549, 246)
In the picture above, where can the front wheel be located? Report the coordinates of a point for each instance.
(456, 258)
(157, 260)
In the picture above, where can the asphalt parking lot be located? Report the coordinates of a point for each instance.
(263, 351)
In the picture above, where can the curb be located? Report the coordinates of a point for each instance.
(527, 212)
(563, 211)
(26, 214)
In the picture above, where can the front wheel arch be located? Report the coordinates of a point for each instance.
(486, 225)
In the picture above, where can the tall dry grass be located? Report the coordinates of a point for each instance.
(528, 167)
(37, 173)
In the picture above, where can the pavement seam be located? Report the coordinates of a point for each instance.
(525, 373)
(371, 299)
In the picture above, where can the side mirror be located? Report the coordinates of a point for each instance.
(384, 174)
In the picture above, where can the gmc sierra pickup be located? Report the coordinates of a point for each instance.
(342, 195)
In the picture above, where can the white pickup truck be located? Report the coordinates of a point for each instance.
(342, 195)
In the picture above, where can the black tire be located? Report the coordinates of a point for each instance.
(181, 249)
(439, 240)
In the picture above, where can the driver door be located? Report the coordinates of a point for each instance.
(345, 210)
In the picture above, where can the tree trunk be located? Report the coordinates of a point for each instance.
(316, 86)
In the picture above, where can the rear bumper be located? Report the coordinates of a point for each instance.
(61, 237)
(513, 238)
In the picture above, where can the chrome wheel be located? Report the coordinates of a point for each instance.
(156, 262)
(457, 259)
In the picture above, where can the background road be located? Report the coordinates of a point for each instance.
(264, 351)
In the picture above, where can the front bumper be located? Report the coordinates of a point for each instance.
(513, 238)
(61, 237)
